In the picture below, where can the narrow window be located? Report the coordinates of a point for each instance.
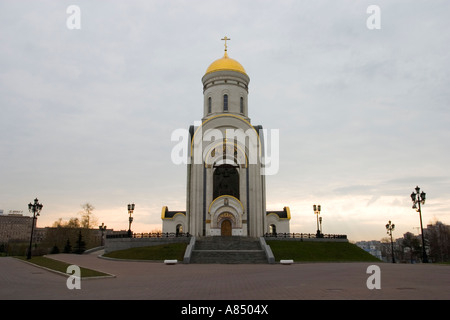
(242, 105)
(209, 105)
(225, 102)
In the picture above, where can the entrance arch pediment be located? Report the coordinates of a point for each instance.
(226, 207)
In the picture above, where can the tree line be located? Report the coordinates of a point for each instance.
(74, 235)
(409, 248)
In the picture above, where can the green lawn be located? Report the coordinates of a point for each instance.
(62, 266)
(319, 251)
(161, 252)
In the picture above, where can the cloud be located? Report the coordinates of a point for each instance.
(363, 115)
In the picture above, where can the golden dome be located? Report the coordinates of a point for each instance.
(225, 63)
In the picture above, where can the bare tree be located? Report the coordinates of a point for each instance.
(58, 223)
(412, 243)
(72, 223)
(438, 235)
(87, 217)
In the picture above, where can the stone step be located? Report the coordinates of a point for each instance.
(228, 256)
(222, 243)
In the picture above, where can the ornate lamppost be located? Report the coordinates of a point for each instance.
(390, 227)
(130, 219)
(317, 212)
(320, 223)
(34, 208)
(102, 229)
(418, 198)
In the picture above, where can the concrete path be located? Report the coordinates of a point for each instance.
(155, 280)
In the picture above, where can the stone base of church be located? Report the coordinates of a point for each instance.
(234, 232)
(115, 244)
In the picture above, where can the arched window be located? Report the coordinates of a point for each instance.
(225, 102)
(242, 105)
(179, 230)
(273, 229)
(209, 105)
(226, 181)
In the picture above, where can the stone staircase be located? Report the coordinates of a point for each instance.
(228, 250)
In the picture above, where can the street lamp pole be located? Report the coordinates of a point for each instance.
(419, 198)
(320, 223)
(130, 219)
(317, 212)
(390, 227)
(34, 208)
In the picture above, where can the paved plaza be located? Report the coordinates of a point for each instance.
(155, 280)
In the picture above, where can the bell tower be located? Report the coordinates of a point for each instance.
(225, 88)
(226, 187)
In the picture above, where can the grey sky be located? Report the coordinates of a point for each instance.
(87, 115)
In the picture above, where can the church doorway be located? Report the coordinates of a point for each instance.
(273, 230)
(225, 228)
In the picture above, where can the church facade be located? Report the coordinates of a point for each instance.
(226, 187)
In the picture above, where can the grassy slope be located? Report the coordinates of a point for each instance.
(318, 251)
(161, 252)
(62, 266)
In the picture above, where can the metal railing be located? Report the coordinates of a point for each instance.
(149, 235)
(305, 236)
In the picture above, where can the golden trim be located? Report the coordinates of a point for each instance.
(209, 209)
(288, 211)
(177, 214)
(163, 213)
(219, 155)
(226, 115)
(275, 215)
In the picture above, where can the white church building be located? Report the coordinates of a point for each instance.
(226, 185)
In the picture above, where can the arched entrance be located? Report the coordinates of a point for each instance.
(179, 229)
(273, 230)
(226, 208)
(225, 228)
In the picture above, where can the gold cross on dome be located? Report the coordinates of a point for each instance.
(226, 39)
